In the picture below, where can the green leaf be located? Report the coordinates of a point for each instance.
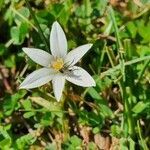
(107, 112)
(5, 144)
(45, 17)
(116, 131)
(24, 141)
(18, 33)
(2, 49)
(51, 106)
(123, 144)
(92, 146)
(132, 28)
(47, 119)
(144, 31)
(1, 4)
(15, 34)
(101, 103)
(143, 50)
(23, 11)
(28, 114)
(96, 130)
(88, 8)
(66, 12)
(104, 83)
(95, 95)
(131, 143)
(100, 6)
(95, 119)
(57, 9)
(139, 107)
(4, 132)
(11, 104)
(27, 104)
(10, 61)
(75, 141)
(23, 30)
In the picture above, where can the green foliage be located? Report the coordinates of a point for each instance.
(118, 107)
(10, 103)
(74, 143)
(18, 33)
(24, 141)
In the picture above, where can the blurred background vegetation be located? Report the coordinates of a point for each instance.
(114, 115)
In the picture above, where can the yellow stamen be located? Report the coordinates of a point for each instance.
(57, 64)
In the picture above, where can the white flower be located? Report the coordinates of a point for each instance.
(58, 66)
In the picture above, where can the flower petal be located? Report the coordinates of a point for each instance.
(37, 78)
(39, 56)
(58, 42)
(75, 55)
(80, 77)
(58, 85)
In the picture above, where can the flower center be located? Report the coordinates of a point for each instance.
(57, 64)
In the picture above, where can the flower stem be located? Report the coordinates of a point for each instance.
(38, 26)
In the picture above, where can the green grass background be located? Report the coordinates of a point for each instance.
(114, 115)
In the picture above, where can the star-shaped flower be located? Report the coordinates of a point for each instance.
(58, 66)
